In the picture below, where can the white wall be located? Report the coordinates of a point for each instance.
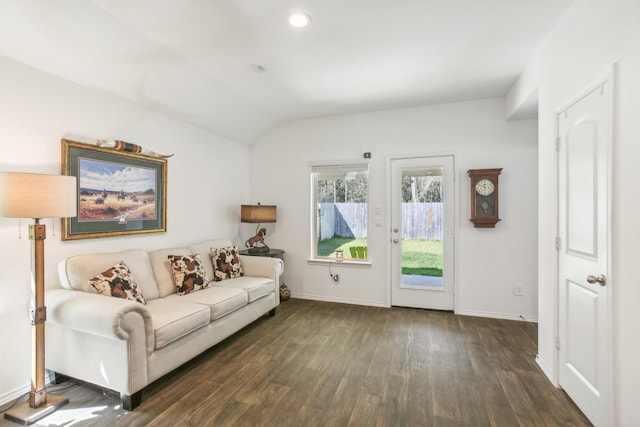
(522, 98)
(207, 181)
(488, 261)
(593, 35)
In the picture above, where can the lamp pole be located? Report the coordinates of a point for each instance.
(40, 404)
(38, 394)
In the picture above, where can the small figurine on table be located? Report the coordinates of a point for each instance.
(256, 244)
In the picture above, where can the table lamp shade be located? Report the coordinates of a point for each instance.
(30, 195)
(257, 213)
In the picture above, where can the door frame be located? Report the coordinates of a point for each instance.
(608, 77)
(456, 219)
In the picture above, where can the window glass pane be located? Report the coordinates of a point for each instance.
(341, 199)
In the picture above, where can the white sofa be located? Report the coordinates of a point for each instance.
(124, 345)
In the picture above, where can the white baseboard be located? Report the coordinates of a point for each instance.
(12, 395)
(505, 316)
(339, 300)
(545, 368)
(382, 304)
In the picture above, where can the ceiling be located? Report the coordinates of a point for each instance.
(196, 60)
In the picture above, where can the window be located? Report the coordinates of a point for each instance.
(340, 211)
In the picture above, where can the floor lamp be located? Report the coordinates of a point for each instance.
(27, 195)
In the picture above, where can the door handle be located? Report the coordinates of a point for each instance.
(395, 240)
(597, 279)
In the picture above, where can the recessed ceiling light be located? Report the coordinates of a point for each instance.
(299, 20)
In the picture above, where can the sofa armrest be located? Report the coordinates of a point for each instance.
(258, 266)
(97, 314)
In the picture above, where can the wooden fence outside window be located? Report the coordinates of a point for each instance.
(419, 220)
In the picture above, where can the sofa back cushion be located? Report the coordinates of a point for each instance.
(204, 250)
(76, 271)
(162, 269)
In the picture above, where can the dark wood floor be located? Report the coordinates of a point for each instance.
(326, 364)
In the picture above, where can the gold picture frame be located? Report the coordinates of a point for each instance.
(119, 193)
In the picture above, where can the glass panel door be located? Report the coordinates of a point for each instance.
(422, 232)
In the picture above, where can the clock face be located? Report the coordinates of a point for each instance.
(485, 187)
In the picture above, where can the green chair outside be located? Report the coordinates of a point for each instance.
(358, 252)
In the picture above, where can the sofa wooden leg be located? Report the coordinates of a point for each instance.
(59, 378)
(131, 401)
(272, 312)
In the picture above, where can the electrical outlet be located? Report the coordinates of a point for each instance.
(517, 290)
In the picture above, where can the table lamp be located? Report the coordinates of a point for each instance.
(37, 196)
(257, 214)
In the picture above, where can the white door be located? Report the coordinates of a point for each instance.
(422, 232)
(584, 128)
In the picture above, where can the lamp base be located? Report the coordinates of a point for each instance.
(26, 415)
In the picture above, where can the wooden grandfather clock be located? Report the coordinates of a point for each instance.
(484, 197)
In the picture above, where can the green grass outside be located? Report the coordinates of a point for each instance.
(419, 256)
(422, 257)
(328, 247)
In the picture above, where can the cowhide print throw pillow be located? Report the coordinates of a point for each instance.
(226, 263)
(188, 273)
(117, 282)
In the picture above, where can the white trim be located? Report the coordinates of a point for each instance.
(493, 315)
(331, 167)
(334, 263)
(342, 162)
(14, 394)
(340, 300)
(545, 369)
(21, 391)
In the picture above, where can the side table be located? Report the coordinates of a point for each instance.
(273, 253)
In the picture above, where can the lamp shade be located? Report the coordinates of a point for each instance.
(257, 213)
(31, 195)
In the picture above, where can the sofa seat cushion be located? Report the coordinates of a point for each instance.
(220, 300)
(256, 287)
(174, 318)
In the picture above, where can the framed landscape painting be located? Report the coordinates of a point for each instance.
(119, 193)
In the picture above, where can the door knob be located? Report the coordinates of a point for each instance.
(395, 230)
(395, 240)
(597, 279)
